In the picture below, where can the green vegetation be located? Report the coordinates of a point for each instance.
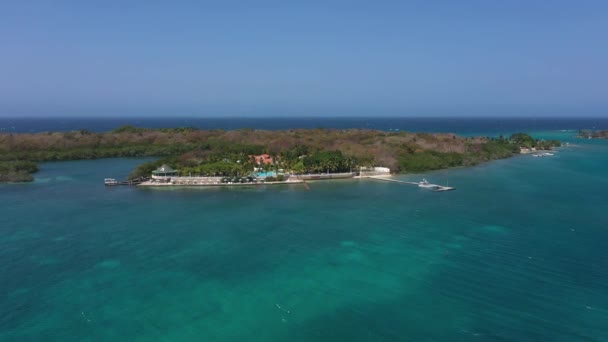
(229, 153)
(128, 129)
(218, 168)
(429, 160)
(328, 161)
(17, 171)
(525, 140)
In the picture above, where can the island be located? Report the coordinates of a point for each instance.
(194, 152)
(593, 134)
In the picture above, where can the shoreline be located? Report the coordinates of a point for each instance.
(149, 184)
(294, 180)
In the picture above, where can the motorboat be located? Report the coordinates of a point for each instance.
(110, 181)
(425, 184)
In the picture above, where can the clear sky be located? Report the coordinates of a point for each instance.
(370, 58)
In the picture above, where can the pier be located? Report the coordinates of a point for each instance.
(114, 182)
(295, 179)
(432, 187)
(218, 184)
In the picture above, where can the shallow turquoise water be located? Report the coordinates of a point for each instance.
(516, 253)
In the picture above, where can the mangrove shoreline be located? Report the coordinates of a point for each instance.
(231, 153)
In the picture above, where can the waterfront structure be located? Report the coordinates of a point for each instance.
(214, 182)
(526, 150)
(374, 171)
(164, 173)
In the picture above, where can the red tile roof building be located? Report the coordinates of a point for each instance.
(262, 159)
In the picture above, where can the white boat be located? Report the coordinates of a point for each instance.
(110, 181)
(426, 184)
(544, 154)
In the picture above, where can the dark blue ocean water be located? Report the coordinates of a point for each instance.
(465, 126)
(516, 253)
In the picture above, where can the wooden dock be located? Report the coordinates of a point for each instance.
(114, 182)
(209, 185)
(432, 187)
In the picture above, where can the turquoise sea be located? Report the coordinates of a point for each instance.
(517, 253)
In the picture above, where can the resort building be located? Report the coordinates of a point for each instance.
(262, 159)
(165, 172)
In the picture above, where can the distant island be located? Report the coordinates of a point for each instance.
(192, 151)
(593, 134)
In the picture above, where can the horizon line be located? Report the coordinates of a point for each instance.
(310, 117)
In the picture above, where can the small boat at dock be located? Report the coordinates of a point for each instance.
(110, 181)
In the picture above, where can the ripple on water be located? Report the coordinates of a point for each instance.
(63, 178)
(108, 264)
(19, 292)
(43, 261)
(495, 229)
(23, 235)
(348, 244)
(300, 266)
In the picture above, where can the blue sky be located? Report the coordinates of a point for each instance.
(260, 58)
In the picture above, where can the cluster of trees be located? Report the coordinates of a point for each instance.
(526, 140)
(492, 149)
(17, 171)
(429, 160)
(240, 164)
(328, 161)
(221, 168)
(234, 160)
(97, 152)
(227, 153)
(523, 140)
